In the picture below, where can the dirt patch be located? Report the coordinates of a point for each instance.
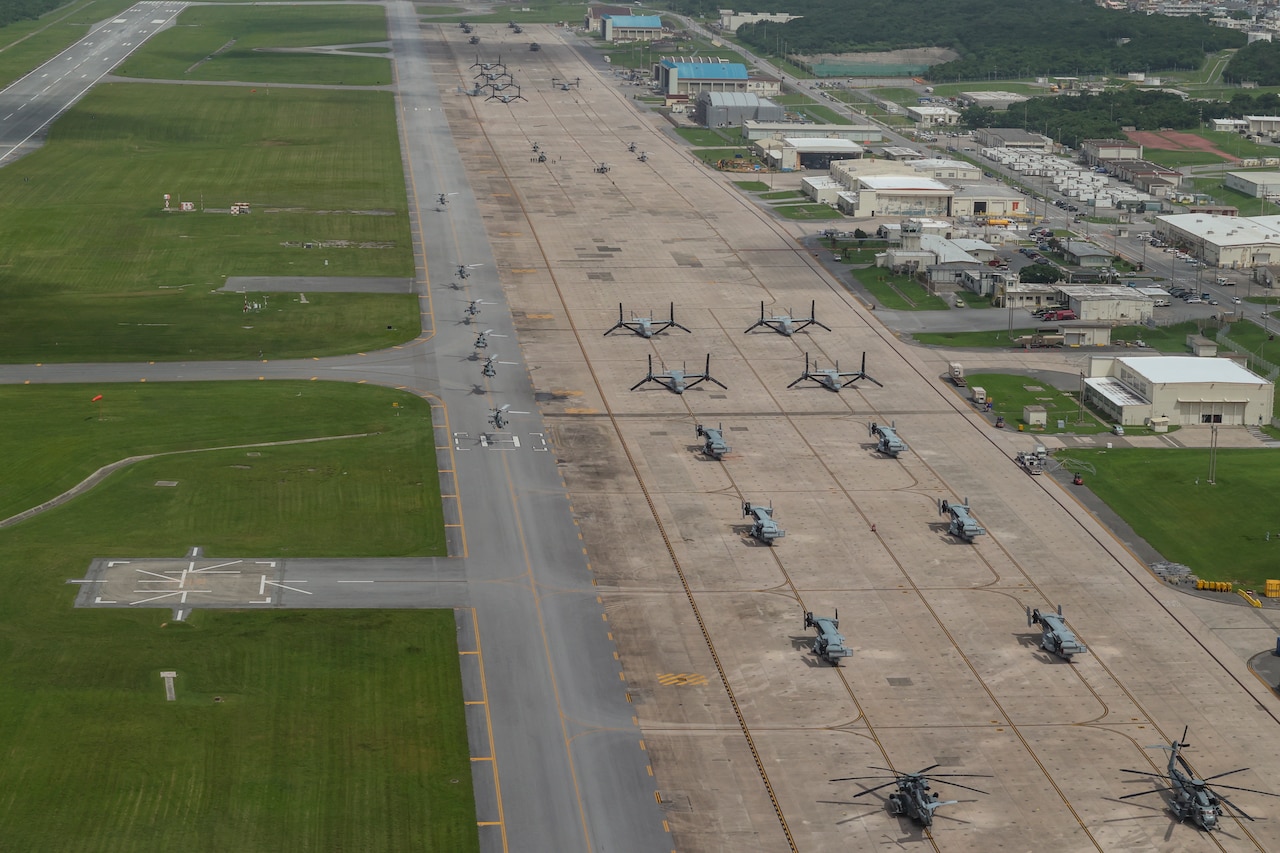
(1174, 140)
(906, 56)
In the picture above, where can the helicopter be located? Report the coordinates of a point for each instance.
(495, 75)
(473, 39)
(442, 201)
(603, 169)
(491, 365)
(473, 309)
(518, 30)
(1193, 799)
(644, 157)
(677, 381)
(482, 339)
(498, 417)
(713, 444)
(566, 85)
(505, 98)
(829, 644)
(464, 270)
(912, 797)
(764, 528)
(830, 378)
(887, 441)
(785, 324)
(962, 524)
(1057, 637)
(645, 326)
(631, 147)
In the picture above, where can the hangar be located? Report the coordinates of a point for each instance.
(726, 109)
(861, 133)
(1131, 390)
(896, 195)
(681, 77)
(1255, 184)
(617, 28)
(1224, 241)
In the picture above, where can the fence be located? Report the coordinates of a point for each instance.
(1257, 364)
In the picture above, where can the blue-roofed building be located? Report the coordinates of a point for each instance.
(678, 77)
(630, 27)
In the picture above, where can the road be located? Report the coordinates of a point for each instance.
(30, 104)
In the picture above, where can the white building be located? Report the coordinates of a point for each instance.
(1256, 184)
(1131, 390)
(896, 195)
(1263, 125)
(731, 20)
(1107, 303)
(929, 116)
(862, 133)
(947, 170)
(1224, 241)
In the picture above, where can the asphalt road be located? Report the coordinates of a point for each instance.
(560, 732)
(29, 105)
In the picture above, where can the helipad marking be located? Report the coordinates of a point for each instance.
(290, 588)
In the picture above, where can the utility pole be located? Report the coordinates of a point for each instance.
(1213, 452)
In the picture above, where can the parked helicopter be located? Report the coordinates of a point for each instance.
(498, 417)
(491, 365)
(713, 444)
(829, 644)
(482, 339)
(464, 270)
(631, 146)
(677, 381)
(644, 157)
(1057, 637)
(443, 200)
(646, 327)
(473, 39)
(962, 523)
(1192, 798)
(887, 441)
(472, 309)
(830, 378)
(785, 324)
(566, 85)
(603, 169)
(764, 528)
(912, 797)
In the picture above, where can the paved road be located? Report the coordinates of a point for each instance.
(29, 105)
(556, 725)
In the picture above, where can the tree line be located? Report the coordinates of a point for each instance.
(12, 11)
(995, 38)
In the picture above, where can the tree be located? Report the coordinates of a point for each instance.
(1040, 274)
(975, 117)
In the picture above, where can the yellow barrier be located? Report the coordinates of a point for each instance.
(1244, 593)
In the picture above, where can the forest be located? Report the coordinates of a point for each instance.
(995, 38)
(1258, 63)
(21, 10)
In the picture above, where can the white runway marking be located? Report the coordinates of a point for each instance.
(290, 588)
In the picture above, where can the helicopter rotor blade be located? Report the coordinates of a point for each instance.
(966, 787)
(855, 778)
(873, 790)
(1247, 790)
(1220, 775)
(1148, 773)
(1235, 808)
(960, 776)
(1144, 793)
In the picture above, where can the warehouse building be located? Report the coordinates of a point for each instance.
(930, 116)
(948, 170)
(1100, 303)
(996, 100)
(680, 77)
(1083, 254)
(896, 195)
(1263, 125)
(793, 154)
(729, 109)
(617, 28)
(1224, 241)
(731, 20)
(1095, 151)
(1254, 184)
(1012, 137)
(1187, 390)
(989, 200)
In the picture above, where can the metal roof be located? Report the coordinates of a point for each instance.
(708, 70)
(732, 99)
(636, 21)
(1189, 368)
(1116, 391)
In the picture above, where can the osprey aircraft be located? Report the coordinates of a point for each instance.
(785, 324)
(713, 444)
(678, 381)
(829, 644)
(1057, 638)
(646, 327)
(833, 378)
(764, 528)
(962, 524)
(887, 441)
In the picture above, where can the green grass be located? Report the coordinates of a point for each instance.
(950, 90)
(824, 115)
(901, 96)
(1218, 530)
(807, 211)
(988, 339)
(234, 43)
(898, 292)
(751, 186)
(1009, 394)
(781, 195)
(1170, 339)
(704, 137)
(337, 729)
(1177, 159)
(92, 268)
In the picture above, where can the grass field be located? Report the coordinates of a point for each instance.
(92, 268)
(898, 292)
(751, 186)
(807, 211)
(706, 137)
(1220, 530)
(1010, 393)
(1000, 338)
(337, 730)
(236, 43)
